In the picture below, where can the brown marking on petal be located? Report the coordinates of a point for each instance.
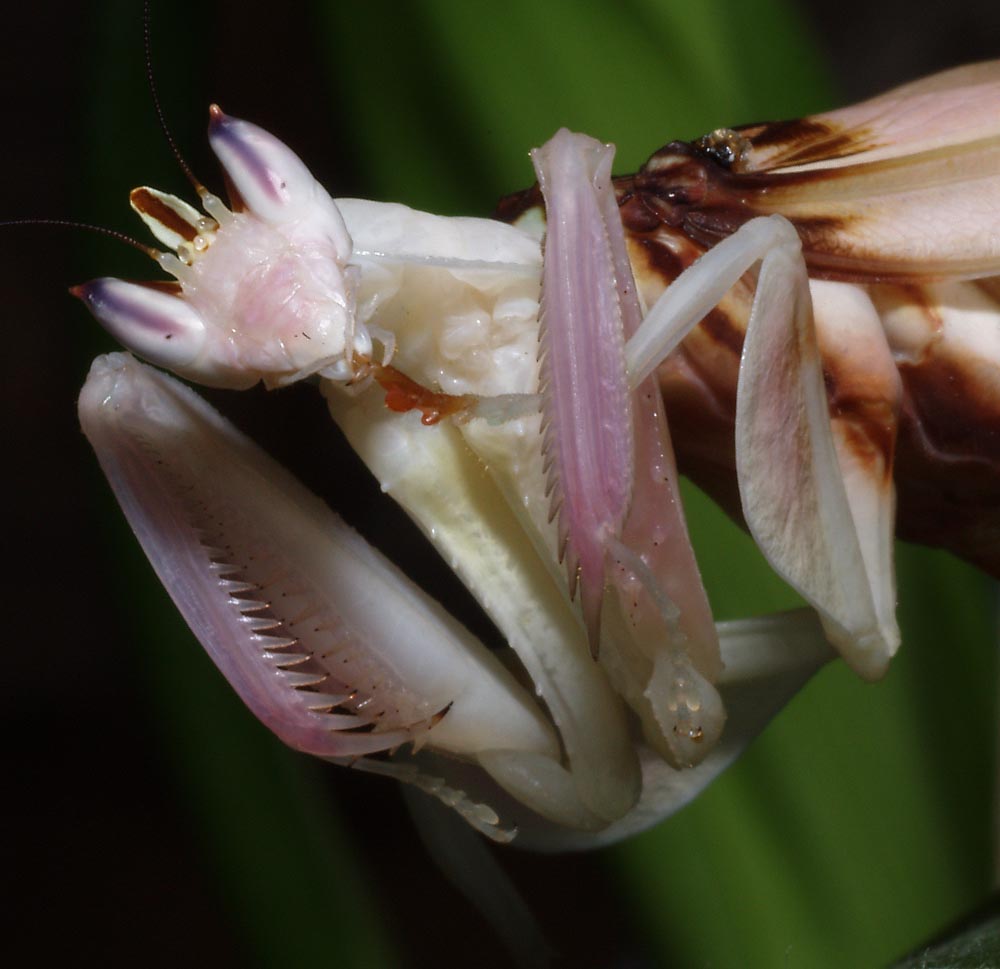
(171, 286)
(867, 424)
(726, 211)
(948, 464)
(145, 202)
(771, 134)
(511, 207)
(684, 187)
(862, 388)
(702, 431)
(637, 215)
(949, 494)
(990, 286)
(802, 142)
(958, 415)
(658, 257)
(871, 441)
(829, 254)
(828, 245)
(723, 330)
(819, 235)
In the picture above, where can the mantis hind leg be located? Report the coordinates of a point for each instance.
(819, 516)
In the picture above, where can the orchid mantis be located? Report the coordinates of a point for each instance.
(551, 490)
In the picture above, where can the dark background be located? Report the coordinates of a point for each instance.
(106, 854)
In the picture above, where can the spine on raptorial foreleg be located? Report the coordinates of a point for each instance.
(587, 438)
(325, 641)
(610, 463)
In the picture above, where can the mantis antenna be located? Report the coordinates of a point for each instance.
(147, 34)
(153, 254)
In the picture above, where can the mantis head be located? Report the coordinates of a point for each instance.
(262, 289)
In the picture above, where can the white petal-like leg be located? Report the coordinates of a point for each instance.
(610, 464)
(476, 489)
(768, 659)
(327, 643)
(472, 525)
(792, 485)
(793, 488)
(865, 392)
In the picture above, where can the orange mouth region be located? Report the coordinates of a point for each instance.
(404, 394)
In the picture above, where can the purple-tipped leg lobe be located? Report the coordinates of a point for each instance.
(151, 319)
